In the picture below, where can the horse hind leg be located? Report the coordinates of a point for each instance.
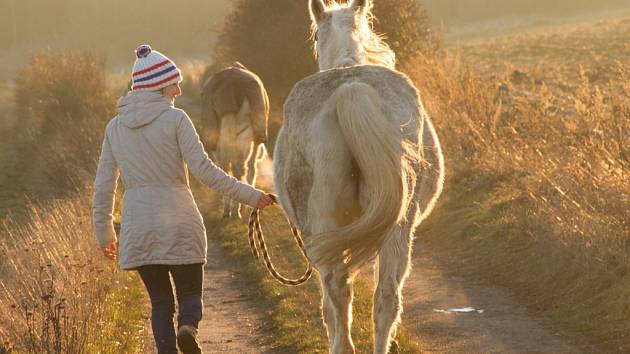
(328, 314)
(323, 219)
(227, 207)
(240, 165)
(252, 165)
(336, 292)
(225, 153)
(393, 267)
(243, 146)
(337, 309)
(227, 201)
(239, 171)
(332, 193)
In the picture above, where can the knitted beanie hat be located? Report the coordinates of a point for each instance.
(153, 70)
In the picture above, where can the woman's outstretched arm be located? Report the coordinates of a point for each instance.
(206, 171)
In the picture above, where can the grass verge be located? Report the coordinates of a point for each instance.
(123, 329)
(58, 294)
(537, 156)
(482, 229)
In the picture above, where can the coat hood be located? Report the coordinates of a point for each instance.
(139, 108)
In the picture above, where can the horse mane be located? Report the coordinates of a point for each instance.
(377, 51)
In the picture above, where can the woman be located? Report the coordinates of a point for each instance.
(151, 145)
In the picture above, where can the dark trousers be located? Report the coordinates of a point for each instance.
(188, 281)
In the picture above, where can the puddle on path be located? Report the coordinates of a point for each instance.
(460, 310)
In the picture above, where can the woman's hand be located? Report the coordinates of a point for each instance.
(265, 201)
(110, 251)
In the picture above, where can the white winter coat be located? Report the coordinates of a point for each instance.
(148, 145)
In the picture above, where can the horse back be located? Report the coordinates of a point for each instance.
(227, 89)
(395, 89)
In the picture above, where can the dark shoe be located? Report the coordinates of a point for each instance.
(187, 340)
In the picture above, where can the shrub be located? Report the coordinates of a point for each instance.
(406, 27)
(567, 157)
(62, 107)
(271, 39)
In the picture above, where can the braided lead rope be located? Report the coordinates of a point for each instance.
(251, 229)
(257, 244)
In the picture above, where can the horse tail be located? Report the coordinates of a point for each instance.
(225, 145)
(230, 146)
(387, 178)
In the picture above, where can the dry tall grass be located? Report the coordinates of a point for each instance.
(551, 155)
(566, 154)
(62, 105)
(58, 294)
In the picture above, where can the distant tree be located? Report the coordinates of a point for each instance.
(271, 37)
(405, 24)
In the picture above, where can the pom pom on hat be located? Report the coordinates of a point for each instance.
(143, 51)
(153, 70)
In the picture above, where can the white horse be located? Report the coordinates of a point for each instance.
(357, 167)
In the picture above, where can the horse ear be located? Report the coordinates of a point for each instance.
(317, 8)
(360, 5)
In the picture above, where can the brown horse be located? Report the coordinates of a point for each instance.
(235, 108)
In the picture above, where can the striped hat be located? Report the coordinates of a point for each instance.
(153, 71)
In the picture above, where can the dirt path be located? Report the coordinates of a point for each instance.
(501, 326)
(232, 323)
